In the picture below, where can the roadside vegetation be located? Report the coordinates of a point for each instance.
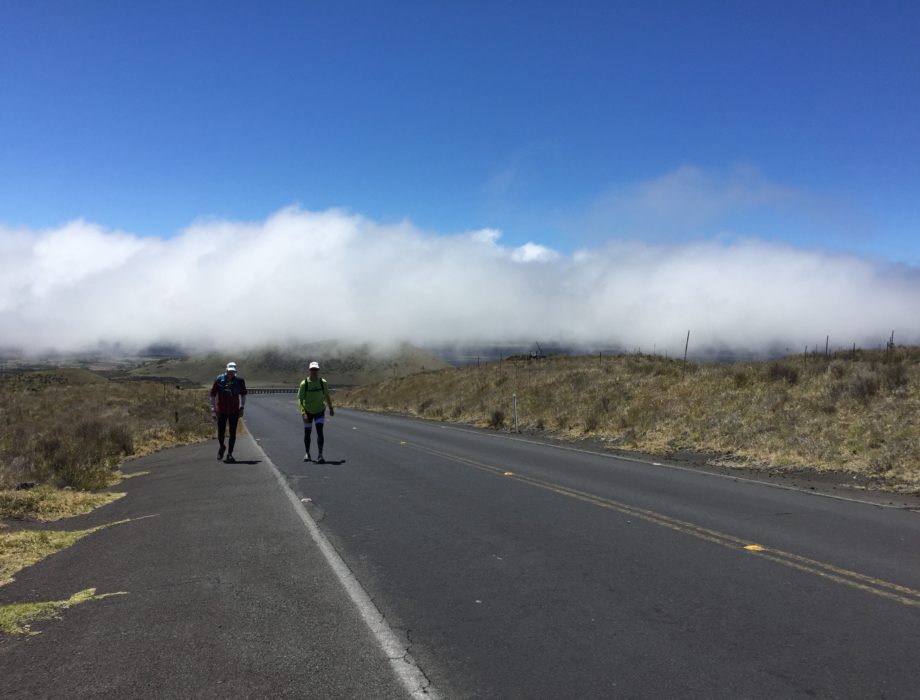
(67, 431)
(19, 617)
(63, 436)
(855, 412)
(23, 548)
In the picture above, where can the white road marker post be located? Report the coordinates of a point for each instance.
(514, 399)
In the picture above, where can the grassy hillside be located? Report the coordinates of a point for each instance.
(48, 378)
(858, 412)
(277, 366)
(71, 427)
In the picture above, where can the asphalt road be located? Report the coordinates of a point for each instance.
(213, 590)
(519, 569)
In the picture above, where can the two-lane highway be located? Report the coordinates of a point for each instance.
(520, 569)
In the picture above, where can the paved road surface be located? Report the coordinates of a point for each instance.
(505, 568)
(521, 570)
(225, 596)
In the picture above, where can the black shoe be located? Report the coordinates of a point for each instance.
(306, 457)
(220, 452)
(230, 459)
(320, 460)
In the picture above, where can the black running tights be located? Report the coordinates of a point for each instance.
(222, 421)
(319, 437)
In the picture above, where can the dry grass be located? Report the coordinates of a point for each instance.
(72, 428)
(22, 548)
(67, 432)
(858, 412)
(46, 504)
(26, 547)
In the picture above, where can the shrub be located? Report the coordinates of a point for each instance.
(835, 391)
(864, 385)
(781, 371)
(837, 369)
(91, 431)
(895, 376)
(16, 471)
(497, 419)
(84, 475)
(121, 438)
(49, 448)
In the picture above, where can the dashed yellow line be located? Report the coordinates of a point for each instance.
(854, 579)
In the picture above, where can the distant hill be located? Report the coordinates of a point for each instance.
(38, 378)
(342, 365)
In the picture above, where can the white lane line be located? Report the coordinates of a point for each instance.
(403, 665)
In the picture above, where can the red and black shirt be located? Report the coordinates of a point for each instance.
(228, 390)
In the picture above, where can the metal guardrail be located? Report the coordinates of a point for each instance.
(273, 390)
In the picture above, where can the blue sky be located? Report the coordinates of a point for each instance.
(566, 124)
(603, 173)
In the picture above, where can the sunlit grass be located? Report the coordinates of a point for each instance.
(22, 548)
(858, 412)
(26, 547)
(17, 618)
(45, 503)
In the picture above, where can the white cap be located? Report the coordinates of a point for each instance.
(231, 366)
(314, 365)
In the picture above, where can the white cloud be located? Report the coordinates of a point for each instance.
(302, 275)
(533, 252)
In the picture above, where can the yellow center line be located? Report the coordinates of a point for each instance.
(854, 579)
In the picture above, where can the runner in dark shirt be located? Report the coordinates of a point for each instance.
(228, 397)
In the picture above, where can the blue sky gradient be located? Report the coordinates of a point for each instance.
(607, 174)
(552, 122)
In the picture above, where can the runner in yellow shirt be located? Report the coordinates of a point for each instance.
(313, 397)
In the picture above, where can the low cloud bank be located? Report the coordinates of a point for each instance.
(303, 276)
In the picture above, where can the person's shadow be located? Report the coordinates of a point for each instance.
(244, 461)
(331, 462)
